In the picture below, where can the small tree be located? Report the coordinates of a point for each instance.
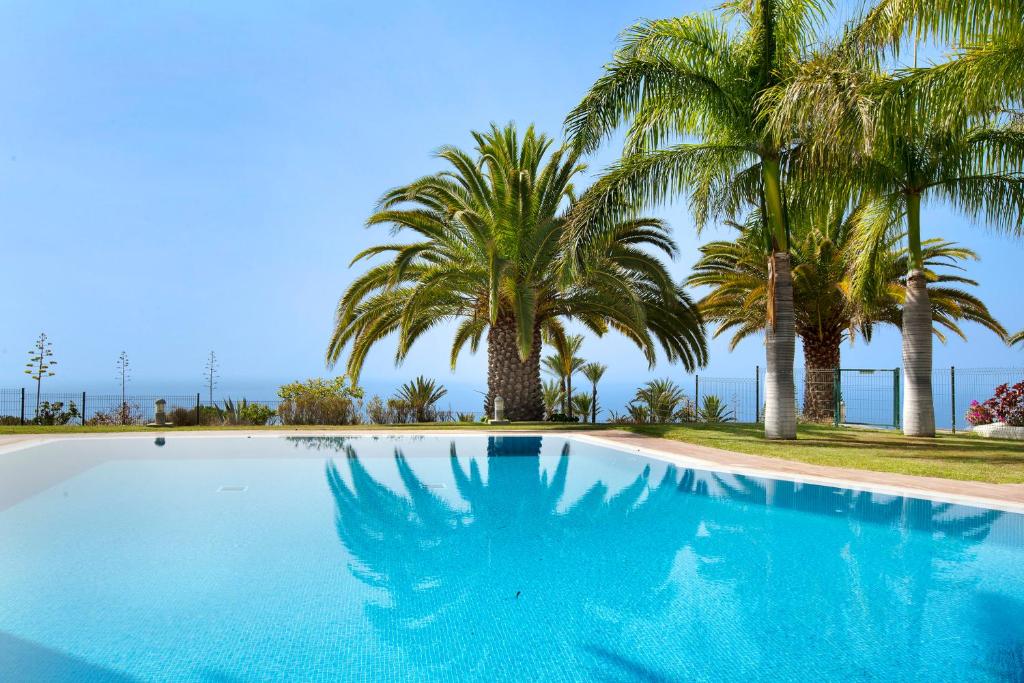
(210, 374)
(594, 372)
(39, 364)
(123, 374)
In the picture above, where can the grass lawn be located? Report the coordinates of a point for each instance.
(953, 457)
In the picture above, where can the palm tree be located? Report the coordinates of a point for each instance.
(965, 169)
(491, 255)
(903, 154)
(421, 394)
(594, 372)
(563, 364)
(706, 76)
(1016, 338)
(826, 309)
(552, 393)
(582, 404)
(986, 69)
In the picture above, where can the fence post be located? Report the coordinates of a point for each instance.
(83, 408)
(23, 406)
(757, 394)
(696, 392)
(837, 396)
(197, 409)
(896, 398)
(952, 395)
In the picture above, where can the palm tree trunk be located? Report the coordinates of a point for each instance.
(516, 381)
(918, 409)
(821, 358)
(593, 405)
(568, 388)
(780, 347)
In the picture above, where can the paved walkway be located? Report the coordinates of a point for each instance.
(1003, 496)
(952, 490)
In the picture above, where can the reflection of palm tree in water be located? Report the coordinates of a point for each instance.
(514, 564)
(519, 561)
(884, 551)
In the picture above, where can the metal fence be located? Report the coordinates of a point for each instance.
(859, 396)
(24, 407)
(954, 388)
(843, 396)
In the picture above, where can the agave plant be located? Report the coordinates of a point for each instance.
(492, 254)
(713, 410)
(421, 394)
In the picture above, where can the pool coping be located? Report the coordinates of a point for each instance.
(1004, 497)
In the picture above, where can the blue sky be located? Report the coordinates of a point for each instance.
(177, 177)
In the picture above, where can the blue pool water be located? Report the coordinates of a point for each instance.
(468, 558)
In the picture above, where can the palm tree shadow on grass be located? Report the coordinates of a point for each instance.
(517, 557)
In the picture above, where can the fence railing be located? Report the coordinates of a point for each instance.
(840, 396)
(25, 407)
(859, 396)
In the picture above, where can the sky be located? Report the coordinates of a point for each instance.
(181, 177)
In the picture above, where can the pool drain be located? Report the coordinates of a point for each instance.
(229, 488)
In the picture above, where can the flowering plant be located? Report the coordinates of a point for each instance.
(979, 414)
(1007, 406)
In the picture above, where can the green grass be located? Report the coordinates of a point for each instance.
(949, 456)
(961, 456)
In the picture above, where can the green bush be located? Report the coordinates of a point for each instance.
(245, 413)
(55, 414)
(320, 402)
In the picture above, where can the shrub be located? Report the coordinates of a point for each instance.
(465, 417)
(562, 417)
(9, 420)
(55, 414)
(320, 402)
(1008, 404)
(245, 413)
(979, 414)
(182, 417)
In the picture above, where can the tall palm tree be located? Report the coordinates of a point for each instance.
(986, 68)
(563, 364)
(594, 372)
(706, 76)
(873, 130)
(827, 311)
(491, 255)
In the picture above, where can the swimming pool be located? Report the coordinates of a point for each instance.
(475, 558)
